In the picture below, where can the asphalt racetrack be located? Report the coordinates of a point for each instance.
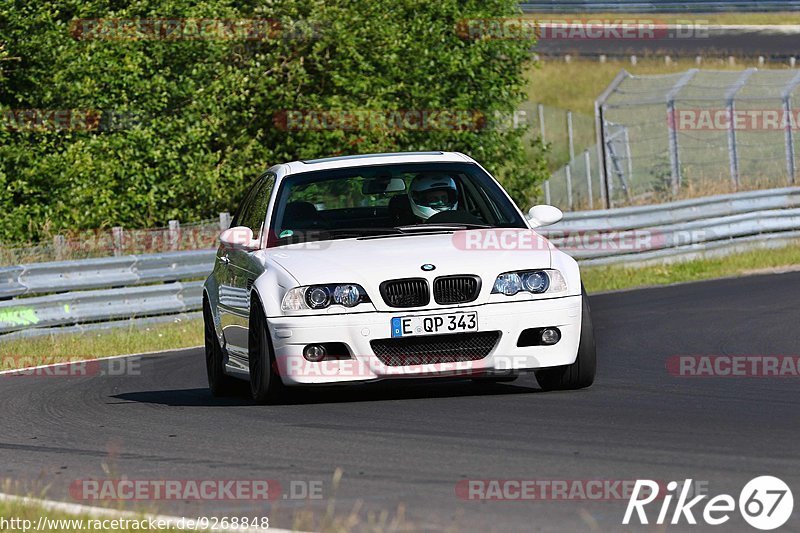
(738, 43)
(406, 447)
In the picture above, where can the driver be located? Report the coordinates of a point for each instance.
(430, 194)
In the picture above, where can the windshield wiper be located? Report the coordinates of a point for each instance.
(344, 233)
(419, 228)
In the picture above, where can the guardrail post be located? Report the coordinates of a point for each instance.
(224, 221)
(117, 238)
(174, 234)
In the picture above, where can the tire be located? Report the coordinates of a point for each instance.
(219, 382)
(265, 382)
(579, 374)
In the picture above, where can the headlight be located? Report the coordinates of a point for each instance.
(322, 296)
(534, 281)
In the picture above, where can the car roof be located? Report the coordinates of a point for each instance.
(310, 165)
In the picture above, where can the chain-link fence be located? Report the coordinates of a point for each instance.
(696, 133)
(568, 135)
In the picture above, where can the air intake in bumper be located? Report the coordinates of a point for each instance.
(435, 349)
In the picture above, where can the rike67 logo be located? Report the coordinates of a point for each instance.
(765, 503)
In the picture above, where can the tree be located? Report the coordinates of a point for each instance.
(178, 127)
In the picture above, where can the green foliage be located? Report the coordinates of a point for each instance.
(195, 119)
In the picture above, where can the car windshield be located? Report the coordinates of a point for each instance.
(384, 200)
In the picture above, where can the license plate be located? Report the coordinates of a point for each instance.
(409, 326)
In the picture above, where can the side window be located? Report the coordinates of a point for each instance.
(244, 205)
(254, 211)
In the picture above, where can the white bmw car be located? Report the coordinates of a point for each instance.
(391, 266)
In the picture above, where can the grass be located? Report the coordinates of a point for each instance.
(19, 515)
(328, 519)
(778, 18)
(66, 347)
(609, 278)
(577, 84)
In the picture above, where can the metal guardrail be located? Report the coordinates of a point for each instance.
(41, 296)
(60, 276)
(682, 211)
(680, 230)
(100, 305)
(72, 296)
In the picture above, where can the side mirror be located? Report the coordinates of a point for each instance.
(544, 215)
(239, 238)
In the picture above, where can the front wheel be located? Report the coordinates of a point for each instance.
(579, 374)
(265, 382)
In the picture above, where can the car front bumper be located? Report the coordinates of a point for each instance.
(291, 334)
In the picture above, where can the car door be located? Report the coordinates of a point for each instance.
(241, 270)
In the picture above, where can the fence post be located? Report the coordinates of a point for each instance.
(601, 153)
(541, 121)
(789, 132)
(571, 144)
(570, 137)
(174, 234)
(732, 148)
(547, 191)
(672, 124)
(588, 162)
(629, 157)
(787, 113)
(117, 237)
(224, 221)
(568, 172)
(540, 108)
(59, 246)
(599, 126)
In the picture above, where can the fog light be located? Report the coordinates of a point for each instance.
(314, 353)
(550, 336)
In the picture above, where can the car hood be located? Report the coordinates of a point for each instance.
(370, 261)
